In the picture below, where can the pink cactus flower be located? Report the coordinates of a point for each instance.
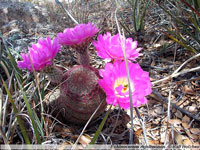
(41, 54)
(115, 84)
(77, 35)
(109, 47)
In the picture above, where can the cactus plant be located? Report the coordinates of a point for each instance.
(82, 87)
(80, 95)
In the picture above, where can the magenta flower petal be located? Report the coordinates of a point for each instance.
(41, 54)
(25, 63)
(115, 84)
(77, 35)
(110, 47)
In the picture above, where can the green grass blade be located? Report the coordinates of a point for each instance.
(29, 111)
(194, 10)
(12, 59)
(196, 19)
(19, 79)
(195, 23)
(134, 14)
(4, 64)
(195, 14)
(138, 23)
(181, 43)
(39, 124)
(181, 38)
(192, 35)
(197, 4)
(126, 28)
(100, 127)
(144, 13)
(182, 23)
(42, 89)
(16, 113)
(26, 100)
(14, 64)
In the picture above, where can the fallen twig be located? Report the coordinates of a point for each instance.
(143, 126)
(168, 118)
(177, 73)
(68, 13)
(157, 94)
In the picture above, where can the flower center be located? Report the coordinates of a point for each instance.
(125, 89)
(121, 86)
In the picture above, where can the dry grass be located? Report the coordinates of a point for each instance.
(172, 113)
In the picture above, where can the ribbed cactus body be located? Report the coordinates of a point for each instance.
(81, 95)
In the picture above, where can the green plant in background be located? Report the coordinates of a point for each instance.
(16, 113)
(138, 10)
(187, 29)
(14, 76)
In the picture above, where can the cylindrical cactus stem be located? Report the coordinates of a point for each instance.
(54, 74)
(83, 58)
(82, 52)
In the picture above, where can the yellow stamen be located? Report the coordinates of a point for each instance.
(124, 82)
